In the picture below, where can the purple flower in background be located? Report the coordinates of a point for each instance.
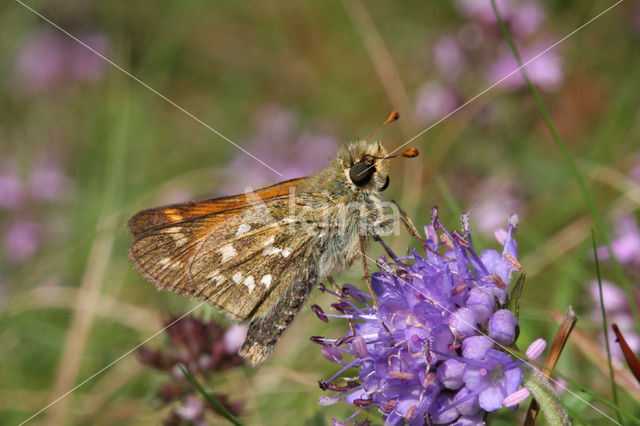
(626, 241)
(434, 101)
(21, 241)
(40, 61)
(448, 56)
(616, 304)
(483, 11)
(204, 347)
(526, 18)
(280, 143)
(46, 58)
(45, 181)
(634, 173)
(11, 186)
(433, 349)
(545, 71)
(86, 65)
(493, 197)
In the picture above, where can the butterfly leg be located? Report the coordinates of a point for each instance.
(334, 286)
(365, 268)
(413, 231)
(265, 331)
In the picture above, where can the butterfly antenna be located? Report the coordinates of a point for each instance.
(392, 117)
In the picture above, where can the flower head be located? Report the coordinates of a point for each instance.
(434, 347)
(204, 347)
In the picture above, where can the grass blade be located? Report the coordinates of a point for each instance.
(614, 389)
(221, 409)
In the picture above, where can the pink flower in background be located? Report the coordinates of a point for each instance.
(234, 337)
(545, 71)
(11, 186)
(21, 241)
(47, 58)
(483, 11)
(280, 142)
(626, 241)
(493, 203)
(40, 61)
(527, 18)
(634, 173)
(617, 308)
(448, 56)
(86, 65)
(47, 181)
(22, 195)
(434, 101)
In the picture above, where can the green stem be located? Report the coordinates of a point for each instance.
(588, 199)
(218, 406)
(546, 397)
(614, 390)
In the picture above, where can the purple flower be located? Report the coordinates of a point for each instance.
(483, 11)
(434, 101)
(205, 348)
(83, 63)
(434, 348)
(545, 71)
(46, 58)
(492, 379)
(634, 173)
(47, 181)
(448, 56)
(21, 241)
(489, 203)
(11, 186)
(280, 143)
(626, 241)
(618, 311)
(40, 61)
(526, 18)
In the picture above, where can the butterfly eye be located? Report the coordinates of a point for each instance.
(360, 173)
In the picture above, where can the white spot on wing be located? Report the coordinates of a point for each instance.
(266, 280)
(176, 233)
(215, 276)
(249, 283)
(237, 278)
(286, 252)
(269, 241)
(227, 252)
(243, 229)
(269, 250)
(168, 262)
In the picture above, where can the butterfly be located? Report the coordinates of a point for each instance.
(256, 256)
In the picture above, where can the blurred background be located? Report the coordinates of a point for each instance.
(83, 146)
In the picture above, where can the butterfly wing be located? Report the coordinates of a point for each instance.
(231, 252)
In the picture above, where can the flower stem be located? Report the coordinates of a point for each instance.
(546, 397)
(218, 406)
(605, 328)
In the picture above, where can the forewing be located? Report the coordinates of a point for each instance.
(156, 218)
(230, 257)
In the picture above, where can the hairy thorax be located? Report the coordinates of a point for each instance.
(337, 243)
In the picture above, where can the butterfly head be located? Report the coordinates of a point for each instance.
(366, 164)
